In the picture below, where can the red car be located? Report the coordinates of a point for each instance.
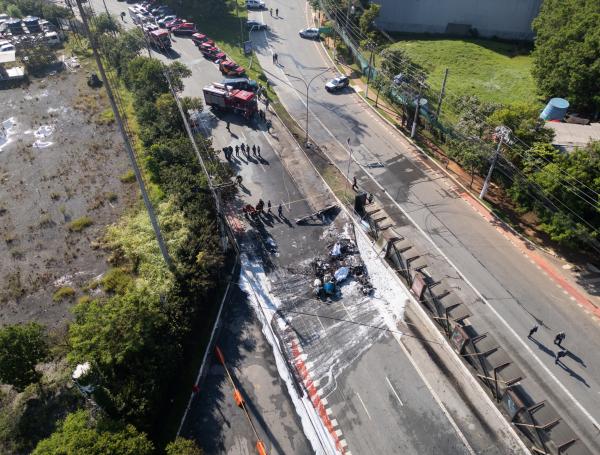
(174, 23)
(211, 52)
(230, 68)
(187, 28)
(199, 38)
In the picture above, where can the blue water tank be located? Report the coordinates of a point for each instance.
(556, 109)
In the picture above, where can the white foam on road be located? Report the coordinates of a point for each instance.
(255, 283)
(390, 296)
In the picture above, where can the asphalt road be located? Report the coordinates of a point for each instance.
(512, 294)
(381, 401)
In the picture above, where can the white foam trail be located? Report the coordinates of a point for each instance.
(255, 283)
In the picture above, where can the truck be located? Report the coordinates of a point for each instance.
(158, 38)
(221, 98)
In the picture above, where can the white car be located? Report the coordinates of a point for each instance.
(8, 47)
(255, 4)
(337, 84)
(310, 33)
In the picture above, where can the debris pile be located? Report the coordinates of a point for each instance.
(343, 262)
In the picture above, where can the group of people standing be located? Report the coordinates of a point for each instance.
(245, 149)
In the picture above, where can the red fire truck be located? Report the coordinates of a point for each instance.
(219, 97)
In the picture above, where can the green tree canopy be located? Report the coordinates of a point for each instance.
(182, 446)
(566, 58)
(130, 341)
(368, 17)
(146, 77)
(79, 434)
(22, 347)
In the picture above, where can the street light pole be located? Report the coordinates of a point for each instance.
(307, 85)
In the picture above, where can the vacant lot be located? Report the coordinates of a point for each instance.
(60, 186)
(494, 71)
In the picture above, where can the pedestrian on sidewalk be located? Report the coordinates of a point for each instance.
(276, 12)
(280, 211)
(560, 355)
(269, 207)
(243, 148)
(260, 206)
(228, 126)
(271, 11)
(237, 150)
(532, 332)
(560, 337)
(354, 184)
(258, 150)
(247, 150)
(274, 57)
(254, 150)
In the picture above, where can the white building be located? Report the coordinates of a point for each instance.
(509, 19)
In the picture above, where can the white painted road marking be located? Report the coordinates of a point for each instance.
(394, 390)
(363, 405)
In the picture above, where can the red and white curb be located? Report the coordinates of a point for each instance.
(303, 367)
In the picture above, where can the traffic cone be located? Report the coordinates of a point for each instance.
(219, 355)
(237, 396)
(260, 447)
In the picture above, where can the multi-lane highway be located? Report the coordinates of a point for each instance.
(507, 290)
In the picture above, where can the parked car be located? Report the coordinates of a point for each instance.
(161, 9)
(230, 68)
(174, 23)
(255, 25)
(200, 38)
(7, 47)
(162, 22)
(310, 33)
(212, 53)
(187, 28)
(255, 4)
(241, 83)
(337, 83)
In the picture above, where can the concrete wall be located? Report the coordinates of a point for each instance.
(509, 19)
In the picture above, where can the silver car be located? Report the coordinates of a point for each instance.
(309, 33)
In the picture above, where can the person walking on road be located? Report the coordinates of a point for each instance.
(280, 211)
(271, 11)
(269, 207)
(276, 12)
(258, 150)
(243, 148)
(228, 126)
(247, 150)
(237, 150)
(560, 337)
(560, 355)
(254, 150)
(239, 179)
(274, 57)
(532, 332)
(354, 184)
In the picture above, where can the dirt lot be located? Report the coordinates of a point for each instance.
(61, 160)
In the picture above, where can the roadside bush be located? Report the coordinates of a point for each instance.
(80, 433)
(128, 177)
(37, 57)
(182, 446)
(116, 281)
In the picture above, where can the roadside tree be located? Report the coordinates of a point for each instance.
(566, 58)
(22, 347)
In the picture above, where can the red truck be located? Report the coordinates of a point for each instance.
(219, 97)
(159, 39)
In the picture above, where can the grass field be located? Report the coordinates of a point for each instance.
(494, 71)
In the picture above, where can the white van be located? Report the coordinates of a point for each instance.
(255, 4)
(133, 13)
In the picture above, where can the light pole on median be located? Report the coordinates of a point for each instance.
(307, 85)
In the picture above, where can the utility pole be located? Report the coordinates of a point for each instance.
(502, 132)
(442, 92)
(138, 175)
(237, 13)
(416, 118)
(371, 47)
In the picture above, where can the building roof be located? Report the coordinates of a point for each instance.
(570, 135)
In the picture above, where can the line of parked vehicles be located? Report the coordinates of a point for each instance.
(236, 93)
